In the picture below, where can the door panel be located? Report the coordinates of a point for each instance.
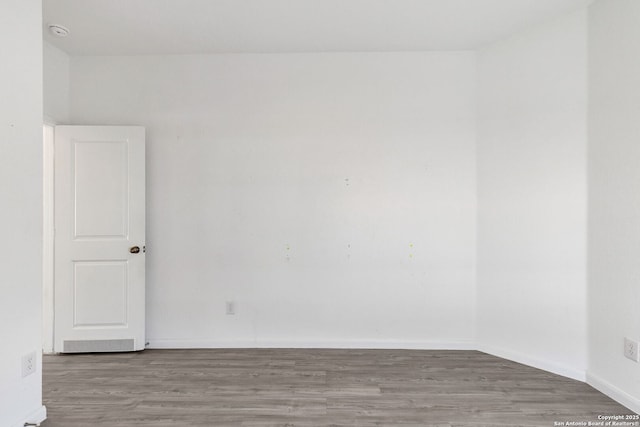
(100, 293)
(101, 182)
(99, 216)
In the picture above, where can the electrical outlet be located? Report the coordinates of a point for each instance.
(631, 349)
(28, 364)
(231, 307)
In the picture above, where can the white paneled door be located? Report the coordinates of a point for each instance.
(99, 206)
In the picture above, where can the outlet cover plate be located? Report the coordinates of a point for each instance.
(230, 307)
(631, 349)
(28, 364)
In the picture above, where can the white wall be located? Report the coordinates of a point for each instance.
(532, 197)
(56, 84)
(614, 196)
(21, 214)
(331, 196)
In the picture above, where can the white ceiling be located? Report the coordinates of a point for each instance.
(132, 27)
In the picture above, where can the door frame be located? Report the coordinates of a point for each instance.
(48, 235)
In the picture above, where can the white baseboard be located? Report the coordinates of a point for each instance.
(545, 365)
(614, 392)
(36, 417)
(357, 344)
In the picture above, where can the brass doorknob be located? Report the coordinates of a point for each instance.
(134, 249)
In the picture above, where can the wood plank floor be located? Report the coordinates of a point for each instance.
(280, 387)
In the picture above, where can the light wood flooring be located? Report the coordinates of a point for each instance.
(280, 387)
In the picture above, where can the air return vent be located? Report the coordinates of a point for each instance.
(98, 346)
